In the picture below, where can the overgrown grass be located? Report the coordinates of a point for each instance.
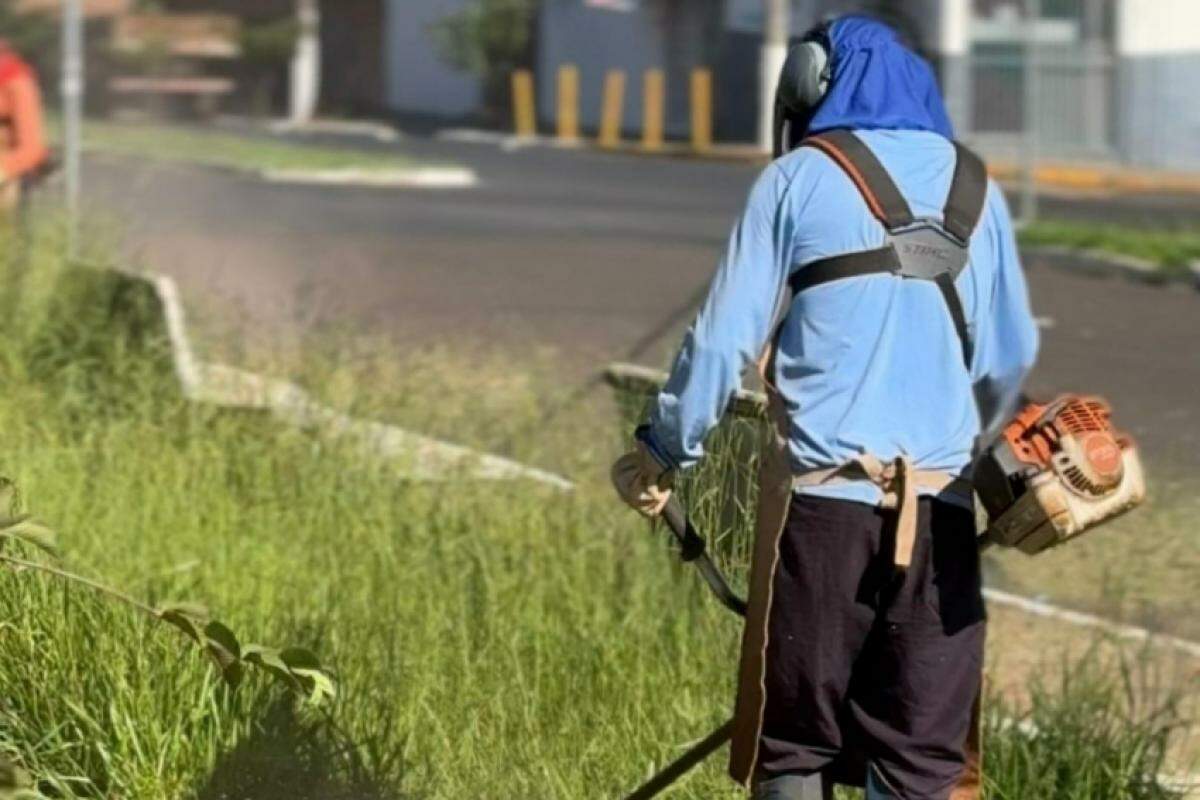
(193, 145)
(1171, 250)
(490, 640)
(1085, 732)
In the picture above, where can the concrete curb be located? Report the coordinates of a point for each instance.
(420, 457)
(1100, 263)
(363, 129)
(418, 178)
(1039, 608)
(1100, 178)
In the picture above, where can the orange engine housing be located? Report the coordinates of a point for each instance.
(1073, 436)
(1058, 470)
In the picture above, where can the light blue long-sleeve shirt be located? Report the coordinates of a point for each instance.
(868, 365)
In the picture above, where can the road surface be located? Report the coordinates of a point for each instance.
(594, 254)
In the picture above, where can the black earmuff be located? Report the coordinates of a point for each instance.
(803, 84)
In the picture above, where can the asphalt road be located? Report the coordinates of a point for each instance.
(596, 255)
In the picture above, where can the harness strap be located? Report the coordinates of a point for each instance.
(963, 209)
(958, 316)
(968, 192)
(883, 260)
(900, 483)
(874, 183)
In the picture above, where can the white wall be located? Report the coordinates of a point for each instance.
(1157, 27)
(1158, 48)
(417, 81)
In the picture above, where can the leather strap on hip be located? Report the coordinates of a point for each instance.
(901, 485)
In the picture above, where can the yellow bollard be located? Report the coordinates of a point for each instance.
(524, 118)
(614, 107)
(568, 103)
(702, 110)
(654, 95)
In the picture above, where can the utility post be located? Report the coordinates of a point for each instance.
(72, 102)
(1033, 102)
(776, 24)
(954, 50)
(306, 63)
(1097, 67)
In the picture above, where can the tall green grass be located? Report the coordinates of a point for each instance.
(1088, 730)
(495, 640)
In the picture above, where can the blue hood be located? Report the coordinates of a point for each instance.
(878, 83)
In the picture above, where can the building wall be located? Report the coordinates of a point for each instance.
(1158, 48)
(416, 81)
(635, 35)
(599, 38)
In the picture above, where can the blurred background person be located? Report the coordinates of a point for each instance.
(23, 148)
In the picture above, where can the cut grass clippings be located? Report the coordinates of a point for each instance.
(1171, 250)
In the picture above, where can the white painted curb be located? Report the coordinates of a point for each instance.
(507, 142)
(1039, 608)
(379, 131)
(421, 457)
(417, 178)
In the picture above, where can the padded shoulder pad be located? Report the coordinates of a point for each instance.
(968, 191)
(868, 175)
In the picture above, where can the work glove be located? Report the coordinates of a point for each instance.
(642, 482)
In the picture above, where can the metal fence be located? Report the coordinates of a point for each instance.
(1068, 108)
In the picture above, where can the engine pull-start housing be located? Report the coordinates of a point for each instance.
(1057, 471)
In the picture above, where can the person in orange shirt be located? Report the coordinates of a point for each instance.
(23, 148)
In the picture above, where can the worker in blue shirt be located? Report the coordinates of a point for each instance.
(875, 280)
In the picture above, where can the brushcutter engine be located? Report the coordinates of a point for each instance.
(1057, 471)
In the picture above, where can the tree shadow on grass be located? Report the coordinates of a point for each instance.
(287, 759)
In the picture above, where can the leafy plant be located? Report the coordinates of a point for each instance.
(266, 48)
(33, 35)
(270, 43)
(296, 668)
(489, 39)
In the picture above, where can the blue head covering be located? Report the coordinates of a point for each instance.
(878, 83)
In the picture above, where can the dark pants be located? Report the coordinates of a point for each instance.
(868, 666)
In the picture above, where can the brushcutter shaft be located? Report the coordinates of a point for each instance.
(693, 551)
(684, 764)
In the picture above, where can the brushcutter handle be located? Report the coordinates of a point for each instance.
(691, 543)
(693, 550)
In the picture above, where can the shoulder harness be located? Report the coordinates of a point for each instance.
(916, 249)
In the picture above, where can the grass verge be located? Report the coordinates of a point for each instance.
(1171, 250)
(489, 640)
(208, 147)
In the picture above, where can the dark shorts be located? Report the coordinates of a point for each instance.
(866, 664)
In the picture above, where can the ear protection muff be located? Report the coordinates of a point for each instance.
(803, 84)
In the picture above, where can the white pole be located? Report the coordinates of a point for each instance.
(306, 63)
(1033, 79)
(772, 56)
(954, 49)
(72, 100)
